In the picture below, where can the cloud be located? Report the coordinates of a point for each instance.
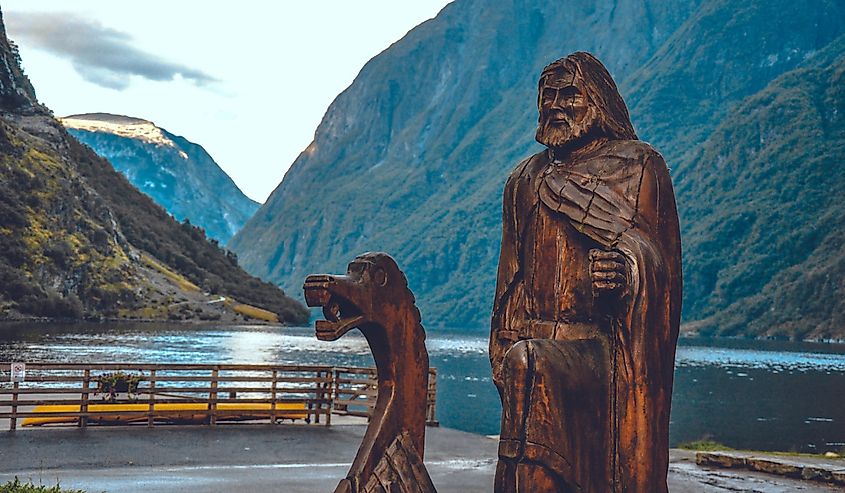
(101, 55)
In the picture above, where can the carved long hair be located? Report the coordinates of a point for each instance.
(611, 113)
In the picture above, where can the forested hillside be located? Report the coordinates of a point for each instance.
(412, 157)
(77, 240)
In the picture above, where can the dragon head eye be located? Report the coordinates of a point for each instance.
(380, 277)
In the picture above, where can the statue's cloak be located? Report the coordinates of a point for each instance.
(620, 196)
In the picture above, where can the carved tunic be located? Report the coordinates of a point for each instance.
(559, 287)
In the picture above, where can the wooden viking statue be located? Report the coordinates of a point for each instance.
(588, 298)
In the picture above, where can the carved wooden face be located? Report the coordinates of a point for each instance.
(566, 113)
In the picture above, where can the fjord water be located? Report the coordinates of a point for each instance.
(746, 394)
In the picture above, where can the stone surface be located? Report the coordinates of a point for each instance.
(799, 467)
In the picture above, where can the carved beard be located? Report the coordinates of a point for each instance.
(560, 134)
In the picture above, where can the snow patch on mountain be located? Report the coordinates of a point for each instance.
(134, 128)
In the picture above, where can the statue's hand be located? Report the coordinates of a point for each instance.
(608, 272)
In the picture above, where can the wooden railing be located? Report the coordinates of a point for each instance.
(55, 393)
(355, 390)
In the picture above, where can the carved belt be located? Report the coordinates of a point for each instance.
(527, 451)
(550, 329)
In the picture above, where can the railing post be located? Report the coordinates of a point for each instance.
(151, 417)
(328, 386)
(371, 405)
(83, 408)
(431, 399)
(309, 406)
(336, 391)
(212, 398)
(13, 422)
(273, 397)
(319, 405)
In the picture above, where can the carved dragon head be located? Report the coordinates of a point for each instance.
(374, 292)
(374, 297)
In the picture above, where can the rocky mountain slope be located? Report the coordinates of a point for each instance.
(766, 255)
(178, 174)
(412, 157)
(78, 240)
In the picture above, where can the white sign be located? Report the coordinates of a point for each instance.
(18, 372)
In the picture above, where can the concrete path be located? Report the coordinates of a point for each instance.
(289, 458)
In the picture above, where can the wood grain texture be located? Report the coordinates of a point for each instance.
(588, 297)
(374, 297)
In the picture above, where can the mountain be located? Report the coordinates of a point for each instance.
(413, 162)
(766, 255)
(78, 240)
(412, 157)
(178, 174)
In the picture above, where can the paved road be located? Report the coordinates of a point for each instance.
(289, 458)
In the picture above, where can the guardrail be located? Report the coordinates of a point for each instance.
(355, 390)
(127, 393)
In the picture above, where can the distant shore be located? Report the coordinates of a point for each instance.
(145, 321)
(684, 336)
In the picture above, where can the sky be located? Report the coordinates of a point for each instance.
(249, 81)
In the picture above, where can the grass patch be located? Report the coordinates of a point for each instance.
(255, 312)
(705, 445)
(183, 283)
(708, 445)
(146, 312)
(17, 487)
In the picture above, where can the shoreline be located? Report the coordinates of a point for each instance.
(707, 378)
(141, 321)
(432, 331)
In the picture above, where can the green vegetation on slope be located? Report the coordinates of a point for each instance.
(52, 254)
(766, 232)
(69, 232)
(181, 246)
(73, 231)
(412, 157)
(413, 161)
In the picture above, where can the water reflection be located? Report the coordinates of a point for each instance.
(250, 347)
(747, 394)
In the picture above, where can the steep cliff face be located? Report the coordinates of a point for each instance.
(696, 100)
(412, 157)
(16, 92)
(726, 51)
(766, 254)
(178, 174)
(77, 240)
